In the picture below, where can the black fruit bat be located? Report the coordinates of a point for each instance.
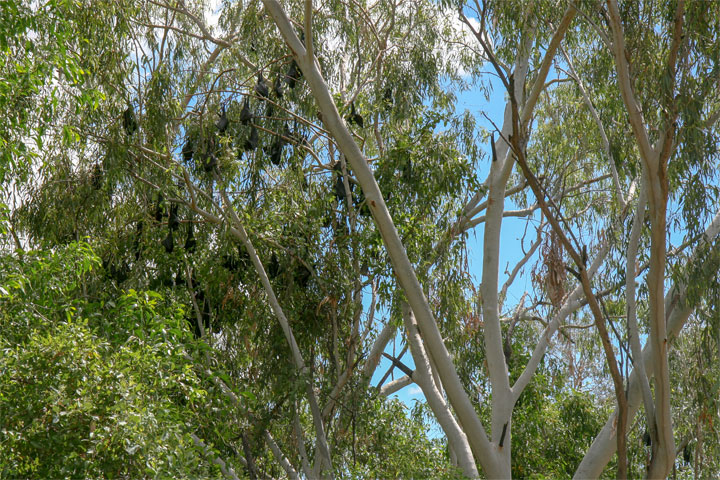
(223, 122)
(261, 87)
(277, 87)
(190, 242)
(252, 142)
(129, 120)
(273, 267)
(159, 211)
(173, 222)
(96, 178)
(245, 113)
(188, 150)
(168, 242)
(339, 188)
(354, 117)
(276, 152)
(293, 74)
(407, 170)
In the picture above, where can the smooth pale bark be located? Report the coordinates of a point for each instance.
(603, 447)
(404, 270)
(224, 468)
(396, 385)
(373, 359)
(655, 163)
(471, 212)
(492, 333)
(280, 457)
(239, 232)
(236, 228)
(424, 379)
(300, 439)
(631, 301)
(500, 169)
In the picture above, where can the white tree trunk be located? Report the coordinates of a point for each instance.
(424, 379)
(603, 448)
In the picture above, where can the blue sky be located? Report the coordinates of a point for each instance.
(511, 234)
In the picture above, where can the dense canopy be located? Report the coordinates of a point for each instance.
(234, 231)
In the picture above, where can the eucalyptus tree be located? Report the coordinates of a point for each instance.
(297, 176)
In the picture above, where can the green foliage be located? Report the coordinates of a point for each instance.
(106, 387)
(384, 429)
(552, 430)
(101, 291)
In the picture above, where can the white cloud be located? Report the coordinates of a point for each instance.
(414, 390)
(453, 51)
(213, 13)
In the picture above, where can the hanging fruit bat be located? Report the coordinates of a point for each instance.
(492, 147)
(261, 87)
(407, 170)
(293, 75)
(277, 87)
(252, 142)
(273, 267)
(190, 242)
(223, 122)
(211, 163)
(173, 222)
(96, 177)
(129, 120)
(354, 117)
(245, 113)
(159, 211)
(188, 150)
(168, 242)
(276, 152)
(302, 275)
(339, 188)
